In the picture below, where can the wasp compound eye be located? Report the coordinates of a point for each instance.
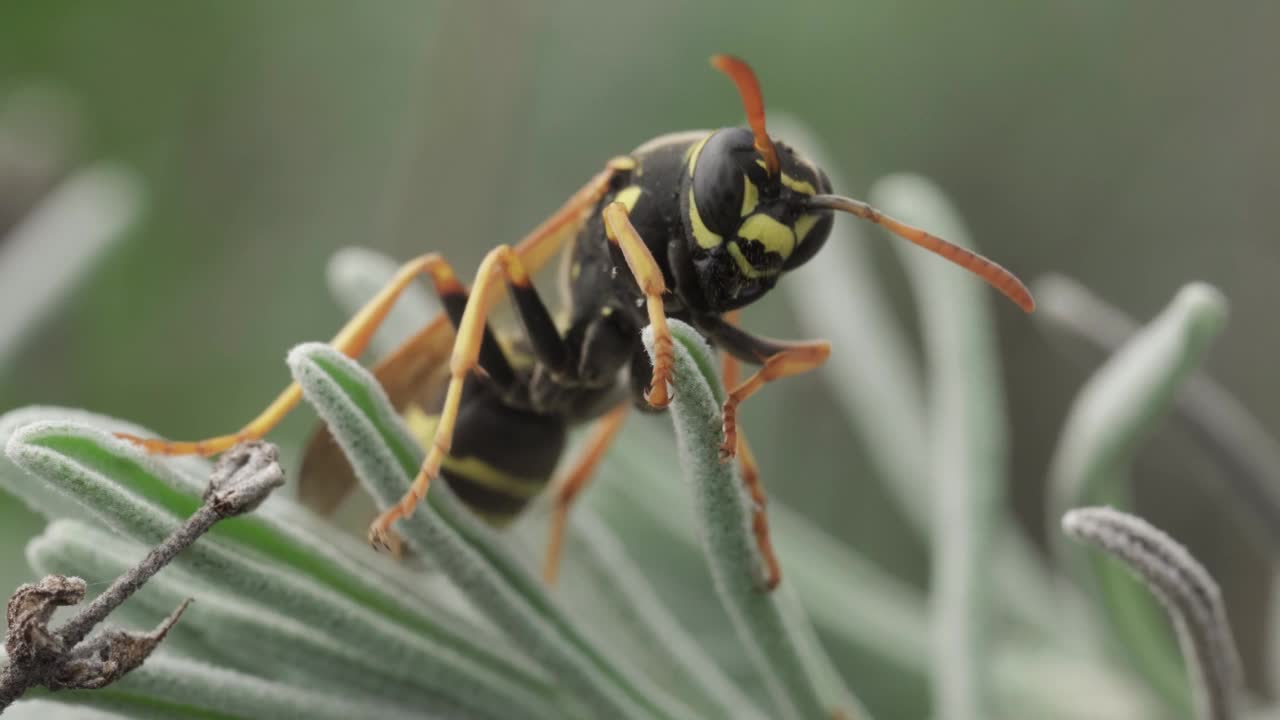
(721, 186)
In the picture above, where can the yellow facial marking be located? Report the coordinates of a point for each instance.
(606, 311)
(628, 196)
(744, 264)
(804, 187)
(575, 270)
(804, 225)
(801, 186)
(701, 233)
(750, 196)
(694, 151)
(775, 236)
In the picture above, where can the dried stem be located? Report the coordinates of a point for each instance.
(1188, 593)
(59, 659)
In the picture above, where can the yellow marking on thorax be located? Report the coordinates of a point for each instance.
(775, 236)
(750, 196)
(629, 196)
(701, 233)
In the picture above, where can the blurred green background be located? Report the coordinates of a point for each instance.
(1131, 145)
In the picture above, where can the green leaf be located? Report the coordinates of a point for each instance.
(386, 458)
(1111, 416)
(1221, 422)
(133, 493)
(798, 677)
(968, 448)
(1188, 593)
(244, 636)
(601, 585)
(874, 373)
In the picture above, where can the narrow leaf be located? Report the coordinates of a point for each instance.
(1218, 419)
(601, 584)
(1188, 593)
(254, 639)
(784, 660)
(386, 458)
(112, 479)
(874, 373)
(969, 448)
(1115, 411)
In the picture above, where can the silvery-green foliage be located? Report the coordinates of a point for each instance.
(656, 614)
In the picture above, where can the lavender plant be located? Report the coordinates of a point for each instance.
(657, 614)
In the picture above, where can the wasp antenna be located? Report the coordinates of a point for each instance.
(994, 275)
(749, 88)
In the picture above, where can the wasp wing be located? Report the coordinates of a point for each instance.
(414, 373)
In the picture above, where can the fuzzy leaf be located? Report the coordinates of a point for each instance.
(1188, 593)
(248, 637)
(787, 661)
(42, 258)
(172, 687)
(874, 373)
(601, 585)
(969, 447)
(1236, 439)
(386, 458)
(133, 494)
(1115, 411)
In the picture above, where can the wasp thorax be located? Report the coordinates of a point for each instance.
(748, 225)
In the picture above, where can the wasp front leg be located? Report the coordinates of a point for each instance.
(649, 277)
(778, 359)
(750, 471)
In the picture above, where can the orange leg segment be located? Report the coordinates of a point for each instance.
(796, 359)
(649, 277)
(569, 487)
(501, 263)
(351, 340)
(729, 372)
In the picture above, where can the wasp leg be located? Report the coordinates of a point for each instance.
(501, 263)
(791, 359)
(571, 485)
(649, 277)
(535, 250)
(729, 372)
(350, 340)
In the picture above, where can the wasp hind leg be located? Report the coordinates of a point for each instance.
(572, 483)
(351, 340)
(502, 263)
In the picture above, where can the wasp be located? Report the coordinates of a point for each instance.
(691, 225)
